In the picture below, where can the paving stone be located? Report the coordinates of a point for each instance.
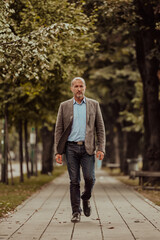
(118, 213)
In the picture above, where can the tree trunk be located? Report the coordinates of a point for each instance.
(148, 67)
(133, 144)
(109, 124)
(5, 150)
(36, 151)
(116, 147)
(3, 164)
(20, 129)
(122, 142)
(6, 145)
(26, 147)
(47, 154)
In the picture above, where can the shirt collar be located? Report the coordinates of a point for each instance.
(83, 101)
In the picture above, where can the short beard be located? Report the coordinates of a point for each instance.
(80, 96)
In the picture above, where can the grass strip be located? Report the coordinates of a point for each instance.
(13, 195)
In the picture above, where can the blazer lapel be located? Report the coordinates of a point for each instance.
(69, 121)
(87, 110)
(68, 113)
(70, 109)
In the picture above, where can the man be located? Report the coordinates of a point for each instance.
(77, 121)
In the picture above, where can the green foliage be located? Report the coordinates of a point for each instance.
(134, 116)
(113, 71)
(20, 53)
(42, 46)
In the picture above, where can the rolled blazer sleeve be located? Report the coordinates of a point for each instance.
(59, 127)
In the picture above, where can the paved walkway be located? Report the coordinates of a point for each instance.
(118, 213)
(16, 169)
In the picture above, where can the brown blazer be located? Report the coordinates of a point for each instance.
(94, 124)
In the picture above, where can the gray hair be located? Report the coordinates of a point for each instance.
(76, 78)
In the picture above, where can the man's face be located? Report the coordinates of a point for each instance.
(78, 88)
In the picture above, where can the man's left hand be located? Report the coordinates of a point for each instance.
(100, 155)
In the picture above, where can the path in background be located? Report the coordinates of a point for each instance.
(16, 169)
(118, 213)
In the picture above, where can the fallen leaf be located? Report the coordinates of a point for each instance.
(111, 228)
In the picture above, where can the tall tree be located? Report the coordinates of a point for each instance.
(63, 55)
(112, 73)
(147, 48)
(134, 24)
(42, 44)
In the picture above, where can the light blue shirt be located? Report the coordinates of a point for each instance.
(78, 130)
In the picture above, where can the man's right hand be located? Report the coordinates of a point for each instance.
(59, 158)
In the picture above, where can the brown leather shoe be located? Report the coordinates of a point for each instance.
(86, 208)
(76, 217)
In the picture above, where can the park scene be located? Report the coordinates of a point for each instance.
(103, 56)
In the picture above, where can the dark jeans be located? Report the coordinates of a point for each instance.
(77, 156)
